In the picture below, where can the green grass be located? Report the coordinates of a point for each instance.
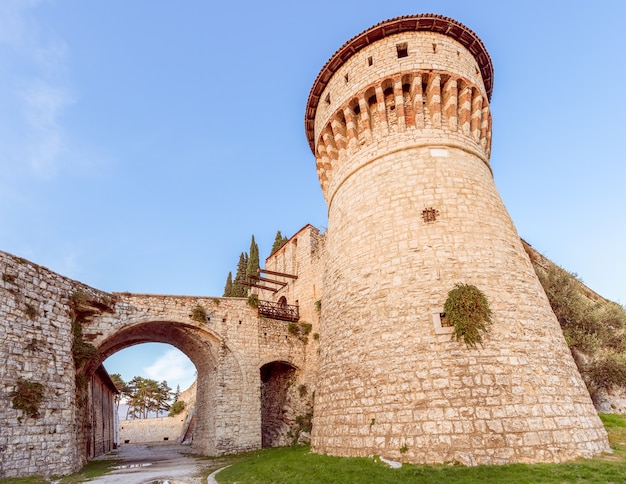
(24, 480)
(91, 470)
(296, 465)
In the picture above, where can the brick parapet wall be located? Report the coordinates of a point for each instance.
(377, 100)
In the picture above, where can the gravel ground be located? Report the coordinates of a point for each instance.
(153, 463)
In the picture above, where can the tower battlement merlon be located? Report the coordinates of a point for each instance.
(411, 23)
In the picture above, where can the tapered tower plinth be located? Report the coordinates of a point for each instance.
(399, 122)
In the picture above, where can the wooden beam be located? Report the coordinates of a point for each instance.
(273, 289)
(281, 274)
(265, 279)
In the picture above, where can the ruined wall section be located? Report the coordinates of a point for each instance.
(36, 335)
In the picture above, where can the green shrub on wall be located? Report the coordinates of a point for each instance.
(177, 407)
(198, 313)
(27, 397)
(468, 311)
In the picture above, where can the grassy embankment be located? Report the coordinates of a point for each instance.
(296, 465)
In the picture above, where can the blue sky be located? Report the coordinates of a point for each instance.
(143, 143)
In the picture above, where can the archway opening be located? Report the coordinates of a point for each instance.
(152, 362)
(199, 345)
(277, 416)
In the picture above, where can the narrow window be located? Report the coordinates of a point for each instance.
(370, 61)
(327, 99)
(434, 48)
(403, 50)
(346, 78)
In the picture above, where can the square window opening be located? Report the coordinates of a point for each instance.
(402, 50)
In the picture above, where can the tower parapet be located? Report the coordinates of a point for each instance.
(389, 85)
(399, 122)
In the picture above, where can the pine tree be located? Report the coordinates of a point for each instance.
(228, 288)
(279, 241)
(253, 260)
(147, 396)
(122, 387)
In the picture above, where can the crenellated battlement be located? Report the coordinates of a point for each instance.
(406, 82)
(416, 107)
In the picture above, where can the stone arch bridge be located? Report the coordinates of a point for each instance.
(228, 344)
(249, 367)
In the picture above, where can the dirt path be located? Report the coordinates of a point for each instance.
(154, 463)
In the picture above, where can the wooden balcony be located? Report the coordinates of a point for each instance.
(284, 312)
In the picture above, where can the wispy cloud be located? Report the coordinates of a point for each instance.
(33, 92)
(13, 24)
(174, 367)
(43, 105)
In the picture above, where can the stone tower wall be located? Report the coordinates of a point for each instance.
(402, 139)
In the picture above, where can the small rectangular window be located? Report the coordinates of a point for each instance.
(402, 49)
(370, 61)
(327, 99)
(442, 326)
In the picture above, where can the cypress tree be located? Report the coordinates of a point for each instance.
(253, 260)
(239, 290)
(228, 288)
(279, 241)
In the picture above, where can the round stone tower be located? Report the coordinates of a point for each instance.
(399, 123)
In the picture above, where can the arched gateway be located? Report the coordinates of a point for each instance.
(54, 321)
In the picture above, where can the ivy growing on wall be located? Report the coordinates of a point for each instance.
(468, 311)
(83, 307)
(27, 397)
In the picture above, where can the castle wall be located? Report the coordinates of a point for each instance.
(303, 256)
(147, 430)
(35, 330)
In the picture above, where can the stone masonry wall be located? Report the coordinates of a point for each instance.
(35, 331)
(302, 256)
(151, 429)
